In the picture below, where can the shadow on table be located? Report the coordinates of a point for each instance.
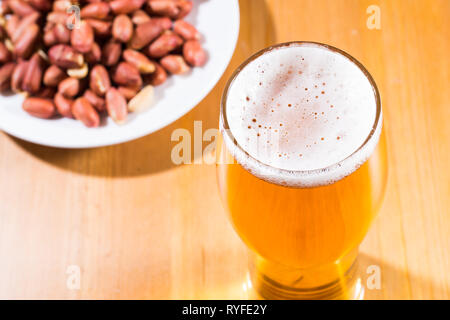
(152, 154)
(396, 284)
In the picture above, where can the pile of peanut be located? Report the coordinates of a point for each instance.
(81, 59)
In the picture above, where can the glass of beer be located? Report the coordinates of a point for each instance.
(302, 167)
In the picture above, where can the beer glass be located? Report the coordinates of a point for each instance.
(303, 227)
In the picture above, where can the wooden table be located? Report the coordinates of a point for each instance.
(139, 226)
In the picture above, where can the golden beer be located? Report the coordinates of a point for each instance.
(303, 227)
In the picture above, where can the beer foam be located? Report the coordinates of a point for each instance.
(304, 109)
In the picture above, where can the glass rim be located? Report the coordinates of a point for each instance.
(223, 104)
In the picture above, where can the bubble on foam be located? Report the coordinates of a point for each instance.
(311, 102)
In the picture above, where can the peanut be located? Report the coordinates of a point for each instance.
(127, 74)
(194, 53)
(140, 17)
(11, 25)
(82, 38)
(61, 5)
(116, 105)
(125, 6)
(122, 28)
(99, 80)
(58, 17)
(101, 28)
(46, 93)
(6, 72)
(20, 7)
(53, 76)
(23, 24)
(65, 57)
(128, 92)
(139, 60)
(18, 75)
(96, 10)
(185, 7)
(95, 100)
(158, 77)
(143, 100)
(145, 33)
(33, 75)
(111, 53)
(164, 44)
(42, 5)
(79, 73)
(164, 8)
(85, 112)
(63, 105)
(69, 87)
(39, 107)
(175, 64)
(164, 22)
(186, 30)
(24, 46)
(95, 55)
(62, 34)
(50, 37)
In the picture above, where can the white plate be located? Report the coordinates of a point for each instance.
(217, 20)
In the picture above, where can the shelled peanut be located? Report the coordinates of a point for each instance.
(80, 59)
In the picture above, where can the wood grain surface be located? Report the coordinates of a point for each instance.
(140, 227)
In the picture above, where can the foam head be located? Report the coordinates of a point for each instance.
(301, 107)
